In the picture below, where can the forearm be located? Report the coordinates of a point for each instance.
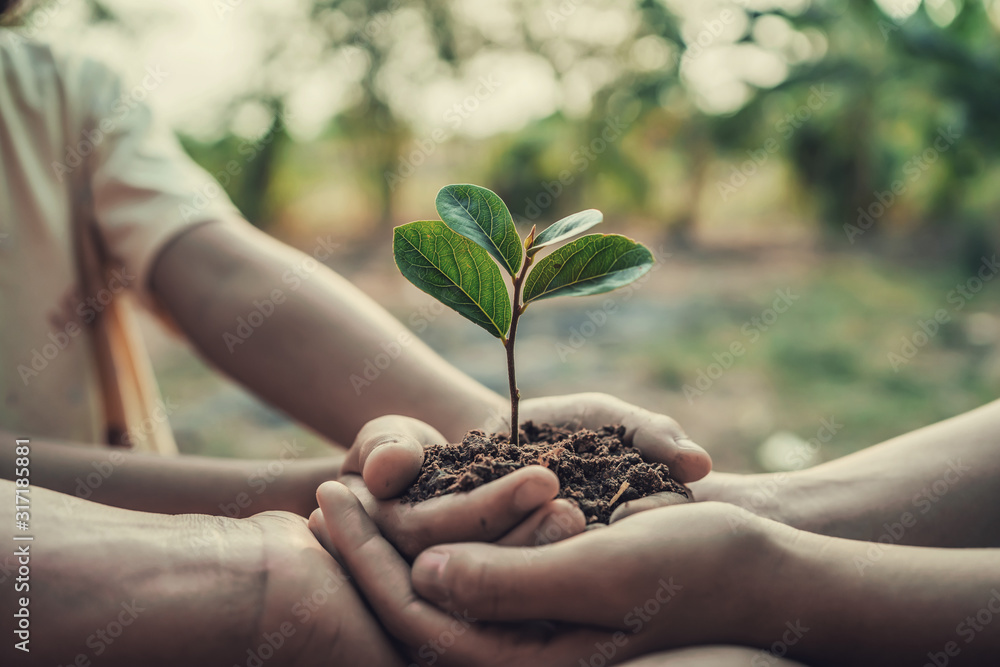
(129, 588)
(173, 485)
(308, 355)
(937, 486)
(835, 601)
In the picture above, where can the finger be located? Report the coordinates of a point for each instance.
(654, 501)
(506, 583)
(687, 461)
(659, 438)
(484, 514)
(383, 577)
(388, 453)
(317, 524)
(554, 521)
(381, 573)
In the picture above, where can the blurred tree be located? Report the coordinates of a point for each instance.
(702, 85)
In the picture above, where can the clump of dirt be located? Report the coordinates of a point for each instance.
(596, 469)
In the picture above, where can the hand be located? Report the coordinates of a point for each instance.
(692, 574)
(388, 452)
(386, 458)
(309, 604)
(658, 437)
(432, 636)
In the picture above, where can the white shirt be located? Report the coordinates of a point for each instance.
(82, 158)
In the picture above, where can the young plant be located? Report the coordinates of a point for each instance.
(452, 259)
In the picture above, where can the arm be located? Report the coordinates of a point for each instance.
(885, 604)
(308, 355)
(388, 451)
(128, 588)
(937, 486)
(301, 359)
(710, 573)
(174, 485)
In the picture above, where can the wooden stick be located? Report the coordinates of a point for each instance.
(623, 489)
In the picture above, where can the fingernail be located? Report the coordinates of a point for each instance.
(428, 575)
(396, 452)
(688, 445)
(383, 440)
(530, 495)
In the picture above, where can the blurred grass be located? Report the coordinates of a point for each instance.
(828, 356)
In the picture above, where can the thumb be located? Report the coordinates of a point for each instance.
(661, 439)
(388, 453)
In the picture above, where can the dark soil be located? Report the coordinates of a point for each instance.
(592, 466)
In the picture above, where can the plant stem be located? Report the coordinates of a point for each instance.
(515, 393)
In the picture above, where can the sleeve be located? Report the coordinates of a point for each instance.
(145, 188)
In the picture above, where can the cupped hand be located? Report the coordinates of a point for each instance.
(517, 509)
(430, 635)
(667, 577)
(658, 437)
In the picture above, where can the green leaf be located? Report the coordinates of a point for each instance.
(479, 214)
(594, 264)
(569, 226)
(455, 271)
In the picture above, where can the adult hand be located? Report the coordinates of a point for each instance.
(658, 437)
(518, 509)
(309, 610)
(386, 458)
(692, 574)
(432, 636)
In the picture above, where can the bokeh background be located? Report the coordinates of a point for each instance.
(842, 153)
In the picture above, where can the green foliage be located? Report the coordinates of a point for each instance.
(449, 259)
(594, 264)
(567, 228)
(455, 271)
(480, 215)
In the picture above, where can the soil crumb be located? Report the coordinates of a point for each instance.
(592, 466)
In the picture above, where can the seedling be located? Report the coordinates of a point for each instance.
(452, 259)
